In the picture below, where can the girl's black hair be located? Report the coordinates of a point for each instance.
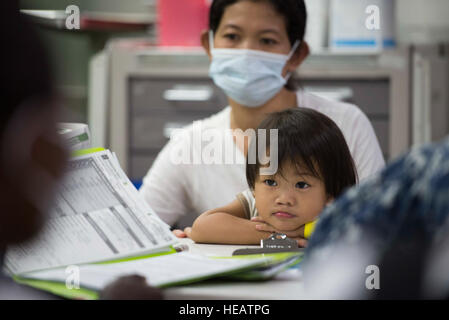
(293, 11)
(312, 141)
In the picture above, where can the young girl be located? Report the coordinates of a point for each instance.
(314, 167)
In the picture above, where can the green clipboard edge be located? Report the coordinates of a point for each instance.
(274, 259)
(288, 259)
(60, 289)
(246, 273)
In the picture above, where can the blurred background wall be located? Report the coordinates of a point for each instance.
(417, 21)
(422, 21)
(71, 51)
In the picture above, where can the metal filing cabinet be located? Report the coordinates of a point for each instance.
(159, 105)
(372, 97)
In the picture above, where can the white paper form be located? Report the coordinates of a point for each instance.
(134, 199)
(97, 216)
(158, 271)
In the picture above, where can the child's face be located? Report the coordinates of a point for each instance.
(290, 200)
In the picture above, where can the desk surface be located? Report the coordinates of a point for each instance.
(285, 286)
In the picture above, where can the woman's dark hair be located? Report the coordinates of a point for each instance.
(293, 11)
(310, 140)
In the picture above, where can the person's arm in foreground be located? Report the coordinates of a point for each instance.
(133, 287)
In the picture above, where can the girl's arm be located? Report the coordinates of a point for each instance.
(226, 225)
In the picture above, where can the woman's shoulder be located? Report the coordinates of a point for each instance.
(219, 121)
(340, 112)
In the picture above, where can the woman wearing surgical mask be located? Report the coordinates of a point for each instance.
(254, 47)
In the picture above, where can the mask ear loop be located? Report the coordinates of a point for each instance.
(292, 51)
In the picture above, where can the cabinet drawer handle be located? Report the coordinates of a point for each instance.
(170, 126)
(188, 94)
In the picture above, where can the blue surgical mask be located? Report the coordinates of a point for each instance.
(249, 77)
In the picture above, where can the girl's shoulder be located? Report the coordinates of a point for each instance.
(248, 203)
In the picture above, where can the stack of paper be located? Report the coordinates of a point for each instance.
(161, 271)
(98, 216)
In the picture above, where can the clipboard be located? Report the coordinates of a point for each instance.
(276, 243)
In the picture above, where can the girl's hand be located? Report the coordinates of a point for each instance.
(182, 234)
(188, 231)
(297, 234)
(179, 233)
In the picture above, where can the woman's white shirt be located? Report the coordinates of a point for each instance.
(185, 180)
